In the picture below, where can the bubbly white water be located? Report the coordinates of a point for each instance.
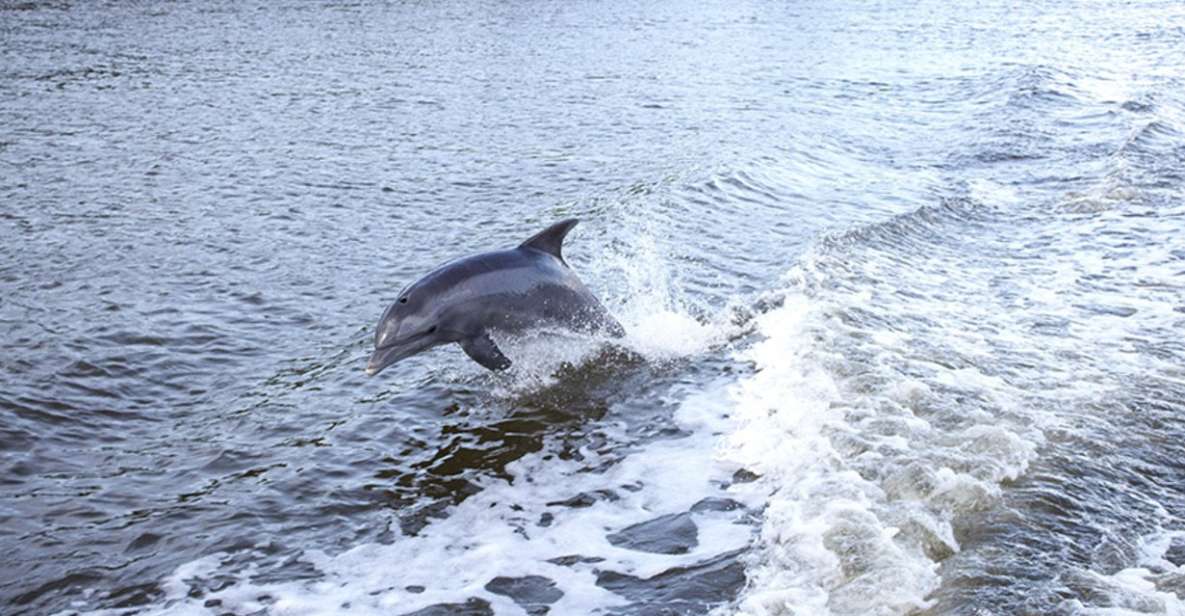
(864, 476)
(1152, 585)
(498, 532)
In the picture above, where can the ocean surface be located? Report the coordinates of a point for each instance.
(904, 286)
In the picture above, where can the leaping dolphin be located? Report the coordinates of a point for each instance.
(509, 291)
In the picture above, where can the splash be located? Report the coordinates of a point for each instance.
(661, 322)
(644, 293)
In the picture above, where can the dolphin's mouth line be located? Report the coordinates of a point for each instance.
(388, 354)
(405, 341)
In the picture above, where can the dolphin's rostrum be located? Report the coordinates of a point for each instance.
(505, 291)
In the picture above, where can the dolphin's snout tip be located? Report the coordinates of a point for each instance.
(380, 360)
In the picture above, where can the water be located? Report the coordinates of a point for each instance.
(905, 288)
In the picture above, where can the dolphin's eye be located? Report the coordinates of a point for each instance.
(432, 330)
(403, 300)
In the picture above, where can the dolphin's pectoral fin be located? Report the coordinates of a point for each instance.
(481, 349)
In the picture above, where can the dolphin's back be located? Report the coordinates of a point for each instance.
(513, 290)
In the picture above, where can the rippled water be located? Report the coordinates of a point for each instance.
(905, 287)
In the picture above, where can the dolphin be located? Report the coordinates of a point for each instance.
(509, 291)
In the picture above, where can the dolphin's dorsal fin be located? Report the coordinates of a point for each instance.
(551, 239)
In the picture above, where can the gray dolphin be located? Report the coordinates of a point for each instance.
(508, 291)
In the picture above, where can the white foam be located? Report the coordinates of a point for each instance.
(863, 487)
(1153, 585)
(496, 533)
(823, 547)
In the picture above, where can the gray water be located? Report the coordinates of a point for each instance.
(905, 288)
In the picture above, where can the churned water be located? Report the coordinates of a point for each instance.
(904, 285)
